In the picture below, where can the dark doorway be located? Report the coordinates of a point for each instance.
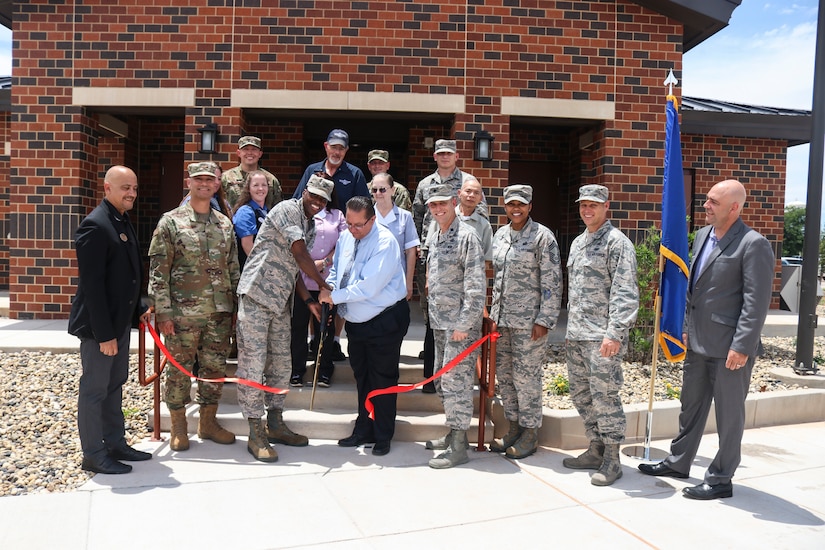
(172, 181)
(544, 178)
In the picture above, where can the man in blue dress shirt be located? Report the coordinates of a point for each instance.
(369, 287)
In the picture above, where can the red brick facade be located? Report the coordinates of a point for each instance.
(494, 54)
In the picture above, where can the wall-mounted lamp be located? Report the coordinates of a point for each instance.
(483, 149)
(209, 138)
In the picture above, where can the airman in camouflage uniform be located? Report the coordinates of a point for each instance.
(268, 283)
(378, 162)
(446, 157)
(192, 278)
(249, 153)
(455, 275)
(603, 303)
(526, 302)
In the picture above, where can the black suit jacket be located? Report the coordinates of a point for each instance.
(108, 298)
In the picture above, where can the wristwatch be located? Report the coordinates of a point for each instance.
(309, 300)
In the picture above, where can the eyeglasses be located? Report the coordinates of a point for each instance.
(379, 190)
(359, 226)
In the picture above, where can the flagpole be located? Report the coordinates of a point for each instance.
(644, 452)
(674, 249)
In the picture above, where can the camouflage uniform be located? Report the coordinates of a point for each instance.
(527, 285)
(192, 278)
(423, 219)
(603, 302)
(456, 302)
(264, 315)
(483, 229)
(233, 181)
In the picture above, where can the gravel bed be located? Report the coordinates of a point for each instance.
(779, 352)
(40, 449)
(39, 445)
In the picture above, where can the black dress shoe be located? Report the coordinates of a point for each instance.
(125, 452)
(105, 465)
(381, 448)
(355, 440)
(703, 491)
(661, 469)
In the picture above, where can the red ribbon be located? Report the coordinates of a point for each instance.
(242, 381)
(449, 366)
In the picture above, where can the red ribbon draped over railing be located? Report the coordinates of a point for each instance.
(446, 368)
(242, 381)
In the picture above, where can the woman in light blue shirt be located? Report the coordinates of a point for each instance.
(400, 222)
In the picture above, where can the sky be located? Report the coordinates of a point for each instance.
(765, 56)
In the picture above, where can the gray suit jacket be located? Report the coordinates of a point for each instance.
(728, 301)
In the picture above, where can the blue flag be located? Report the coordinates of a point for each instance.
(674, 243)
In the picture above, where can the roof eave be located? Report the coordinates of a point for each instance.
(796, 130)
(701, 18)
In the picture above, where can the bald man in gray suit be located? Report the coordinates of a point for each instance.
(729, 293)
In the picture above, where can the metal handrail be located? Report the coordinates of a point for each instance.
(153, 378)
(486, 372)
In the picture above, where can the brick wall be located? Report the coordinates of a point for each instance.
(760, 165)
(483, 50)
(5, 131)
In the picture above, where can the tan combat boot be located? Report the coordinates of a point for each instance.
(178, 439)
(278, 432)
(526, 445)
(512, 435)
(591, 459)
(258, 446)
(208, 427)
(611, 468)
(455, 454)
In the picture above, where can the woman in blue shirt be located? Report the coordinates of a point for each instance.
(249, 217)
(400, 222)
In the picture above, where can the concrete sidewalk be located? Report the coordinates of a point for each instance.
(325, 496)
(215, 496)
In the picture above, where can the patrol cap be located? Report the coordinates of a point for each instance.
(321, 187)
(518, 192)
(441, 192)
(445, 146)
(338, 137)
(595, 193)
(249, 140)
(202, 169)
(378, 154)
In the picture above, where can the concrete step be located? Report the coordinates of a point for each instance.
(341, 396)
(410, 372)
(330, 423)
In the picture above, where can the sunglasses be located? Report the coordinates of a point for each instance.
(379, 190)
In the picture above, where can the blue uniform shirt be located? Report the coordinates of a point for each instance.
(376, 280)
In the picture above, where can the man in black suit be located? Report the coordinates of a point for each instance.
(107, 304)
(729, 293)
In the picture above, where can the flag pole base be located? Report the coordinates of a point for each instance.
(640, 452)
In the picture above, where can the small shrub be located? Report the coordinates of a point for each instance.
(559, 385)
